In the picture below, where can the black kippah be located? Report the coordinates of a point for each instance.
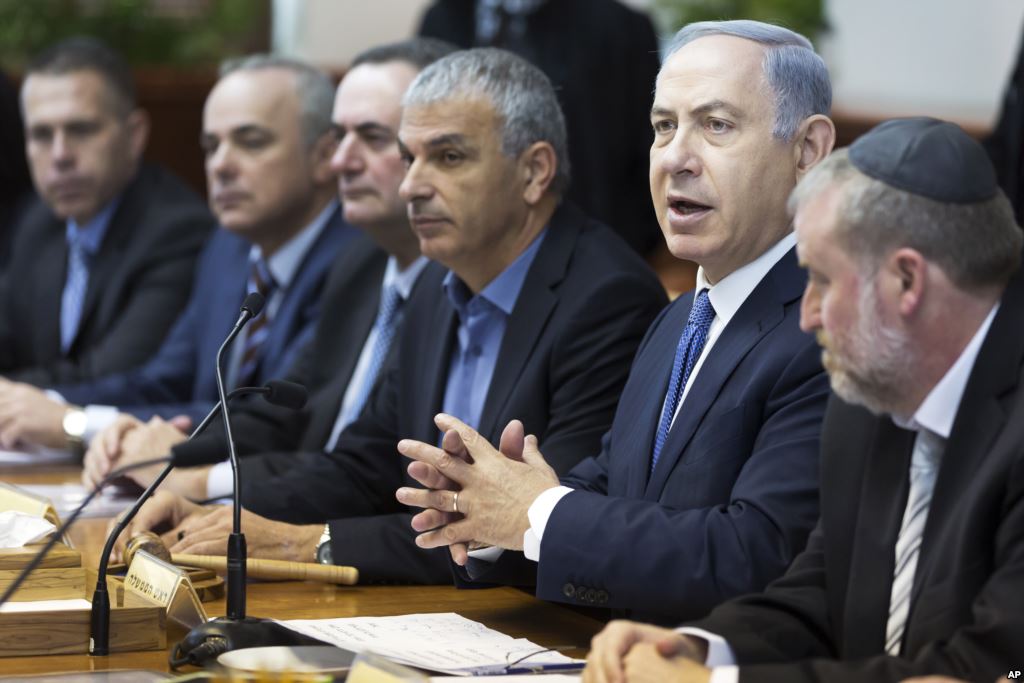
(927, 157)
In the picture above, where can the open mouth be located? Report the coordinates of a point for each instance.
(686, 207)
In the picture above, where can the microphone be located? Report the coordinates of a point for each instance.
(99, 621)
(251, 307)
(235, 629)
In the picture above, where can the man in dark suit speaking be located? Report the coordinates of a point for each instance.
(532, 309)
(917, 564)
(706, 485)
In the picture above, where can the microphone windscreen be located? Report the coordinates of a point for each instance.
(287, 394)
(199, 452)
(253, 303)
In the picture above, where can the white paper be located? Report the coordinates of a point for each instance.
(515, 678)
(36, 456)
(446, 643)
(46, 605)
(18, 529)
(66, 497)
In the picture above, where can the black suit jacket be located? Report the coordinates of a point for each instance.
(138, 284)
(825, 619)
(580, 314)
(734, 495)
(348, 308)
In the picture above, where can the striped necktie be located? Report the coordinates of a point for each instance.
(262, 281)
(691, 343)
(924, 468)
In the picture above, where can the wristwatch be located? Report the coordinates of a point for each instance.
(323, 548)
(74, 424)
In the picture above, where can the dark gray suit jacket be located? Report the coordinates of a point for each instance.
(138, 284)
(825, 619)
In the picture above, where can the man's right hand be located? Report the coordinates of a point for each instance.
(608, 649)
(165, 511)
(128, 440)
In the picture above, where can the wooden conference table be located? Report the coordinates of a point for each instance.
(505, 609)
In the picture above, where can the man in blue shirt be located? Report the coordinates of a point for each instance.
(532, 309)
(102, 261)
(268, 144)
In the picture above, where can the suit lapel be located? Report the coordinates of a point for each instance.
(980, 418)
(434, 360)
(534, 305)
(883, 496)
(759, 314)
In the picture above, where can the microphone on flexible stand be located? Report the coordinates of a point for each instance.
(279, 392)
(234, 630)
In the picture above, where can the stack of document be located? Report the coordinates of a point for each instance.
(445, 643)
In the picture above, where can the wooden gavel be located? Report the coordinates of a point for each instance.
(256, 568)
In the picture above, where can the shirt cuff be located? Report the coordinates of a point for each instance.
(539, 514)
(220, 482)
(719, 651)
(489, 554)
(98, 418)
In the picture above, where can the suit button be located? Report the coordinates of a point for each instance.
(602, 597)
(569, 590)
(591, 596)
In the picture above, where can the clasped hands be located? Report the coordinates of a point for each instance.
(475, 494)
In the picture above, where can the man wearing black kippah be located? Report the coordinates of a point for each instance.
(917, 563)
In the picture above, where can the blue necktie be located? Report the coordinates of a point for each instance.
(75, 284)
(691, 343)
(384, 326)
(260, 280)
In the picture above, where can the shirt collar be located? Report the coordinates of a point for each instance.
(403, 280)
(731, 291)
(503, 290)
(90, 235)
(285, 262)
(938, 410)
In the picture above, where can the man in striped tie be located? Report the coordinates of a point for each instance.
(917, 564)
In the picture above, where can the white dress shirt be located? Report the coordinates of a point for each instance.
(935, 414)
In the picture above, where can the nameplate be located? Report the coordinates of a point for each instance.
(164, 584)
(16, 498)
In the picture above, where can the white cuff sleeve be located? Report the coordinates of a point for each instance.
(539, 514)
(219, 482)
(54, 396)
(489, 554)
(98, 418)
(721, 659)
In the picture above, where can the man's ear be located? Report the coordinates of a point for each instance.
(815, 140)
(537, 166)
(320, 158)
(906, 272)
(138, 131)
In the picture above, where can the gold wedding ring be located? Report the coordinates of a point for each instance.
(455, 502)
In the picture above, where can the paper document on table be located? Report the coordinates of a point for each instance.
(46, 605)
(522, 678)
(67, 497)
(446, 643)
(36, 456)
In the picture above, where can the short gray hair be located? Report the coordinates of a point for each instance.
(520, 93)
(794, 72)
(976, 245)
(314, 88)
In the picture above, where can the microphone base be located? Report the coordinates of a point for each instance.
(206, 642)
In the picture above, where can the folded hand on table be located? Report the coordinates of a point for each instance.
(631, 651)
(29, 417)
(204, 529)
(128, 440)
